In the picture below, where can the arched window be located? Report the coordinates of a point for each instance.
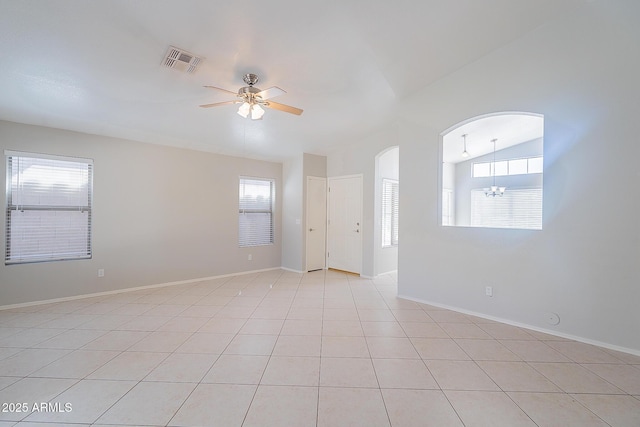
(492, 169)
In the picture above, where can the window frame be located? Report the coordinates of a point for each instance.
(393, 215)
(11, 207)
(245, 241)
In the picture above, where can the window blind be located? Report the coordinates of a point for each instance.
(255, 221)
(390, 207)
(517, 208)
(49, 208)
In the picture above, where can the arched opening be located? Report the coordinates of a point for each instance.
(386, 235)
(492, 170)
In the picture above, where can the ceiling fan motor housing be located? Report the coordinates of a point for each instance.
(250, 79)
(248, 93)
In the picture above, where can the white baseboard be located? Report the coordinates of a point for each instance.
(386, 272)
(137, 288)
(378, 275)
(292, 270)
(526, 326)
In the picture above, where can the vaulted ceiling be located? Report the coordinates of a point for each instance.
(96, 67)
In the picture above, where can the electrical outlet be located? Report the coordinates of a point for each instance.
(488, 291)
(101, 272)
(250, 257)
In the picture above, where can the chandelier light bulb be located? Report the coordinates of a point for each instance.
(257, 112)
(244, 109)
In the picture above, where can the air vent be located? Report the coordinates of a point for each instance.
(181, 60)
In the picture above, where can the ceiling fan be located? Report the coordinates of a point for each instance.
(253, 99)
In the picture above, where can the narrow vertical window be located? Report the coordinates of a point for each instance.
(390, 207)
(49, 208)
(447, 207)
(255, 221)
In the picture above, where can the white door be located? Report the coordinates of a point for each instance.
(345, 223)
(316, 222)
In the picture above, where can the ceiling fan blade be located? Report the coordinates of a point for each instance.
(219, 103)
(223, 90)
(282, 107)
(271, 92)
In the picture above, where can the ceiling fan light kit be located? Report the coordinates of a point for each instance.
(253, 99)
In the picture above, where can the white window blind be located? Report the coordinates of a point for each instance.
(255, 219)
(390, 208)
(49, 208)
(517, 208)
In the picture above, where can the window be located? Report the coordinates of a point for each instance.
(508, 167)
(447, 207)
(255, 219)
(390, 207)
(518, 167)
(481, 170)
(48, 208)
(517, 208)
(534, 165)
(502, 150)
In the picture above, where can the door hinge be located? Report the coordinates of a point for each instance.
(327, 254)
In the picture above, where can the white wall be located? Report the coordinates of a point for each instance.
(295, 173)
(160, 215)
(581, 73)
(292, 215)
(449, 175)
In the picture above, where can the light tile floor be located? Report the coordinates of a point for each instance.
(283, 349)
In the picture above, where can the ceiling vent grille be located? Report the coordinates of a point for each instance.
(181, 60)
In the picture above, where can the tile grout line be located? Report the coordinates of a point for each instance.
(244, 419)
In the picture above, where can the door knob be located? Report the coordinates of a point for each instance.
(311, 229)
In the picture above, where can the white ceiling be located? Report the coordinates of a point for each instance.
(95, 66)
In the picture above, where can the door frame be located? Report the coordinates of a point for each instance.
(326, 216)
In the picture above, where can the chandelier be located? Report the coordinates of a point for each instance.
(494, 190)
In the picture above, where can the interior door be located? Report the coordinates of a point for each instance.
(345, 223)
(316, 223)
